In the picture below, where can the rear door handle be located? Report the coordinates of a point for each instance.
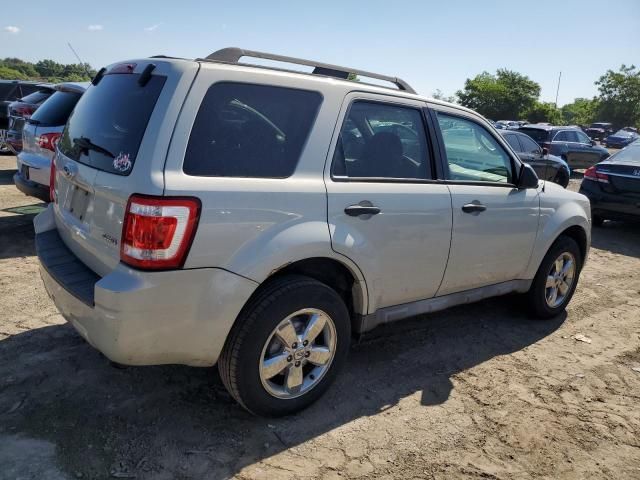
(473, 208)
(357, 210)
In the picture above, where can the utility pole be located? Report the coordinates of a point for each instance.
(558, 89)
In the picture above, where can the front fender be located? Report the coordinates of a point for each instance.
(556, 218)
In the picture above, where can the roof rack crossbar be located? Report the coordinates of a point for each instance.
(233, 55)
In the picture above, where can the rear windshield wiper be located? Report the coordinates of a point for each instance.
(86, 144)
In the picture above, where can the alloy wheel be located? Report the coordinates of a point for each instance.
(560, 279)
(298, 353)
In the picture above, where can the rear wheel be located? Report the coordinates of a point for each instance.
(286, 347)
(556, 279)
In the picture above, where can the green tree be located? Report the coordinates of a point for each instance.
(7, 73)
(49, 68)
(544, 112)
(581, 112)
(439, 95)
(505, 95)
(620, 97)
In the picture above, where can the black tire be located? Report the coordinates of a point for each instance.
(562, 178)
(597, 220)
(239, 362)
(536, 296)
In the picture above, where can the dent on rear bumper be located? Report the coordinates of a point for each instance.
(153, 318)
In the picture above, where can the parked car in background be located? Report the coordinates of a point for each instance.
(547, 166)
(630, 129)
(621, 139)
(599, 130)
(509, 124)
(570, 144)
(613, 186)
(40, 137)
(210, 211)
(10, 91)
(21, 110)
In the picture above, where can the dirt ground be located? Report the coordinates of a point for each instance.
(475, 392)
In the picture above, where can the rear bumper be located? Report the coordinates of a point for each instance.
(142, 318)
(613, 207)
(31, 188)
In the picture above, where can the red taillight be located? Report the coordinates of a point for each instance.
(52, 180)
(592, 174)
(49, 141)
(24, 111)
(157, 231)
(121, 68)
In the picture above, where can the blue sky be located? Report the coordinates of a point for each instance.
(432, 45)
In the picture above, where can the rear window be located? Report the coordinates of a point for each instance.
(56, 110)
(109, 121)
(244, 130)
(537, 134)
(6, 89)
(37, 97)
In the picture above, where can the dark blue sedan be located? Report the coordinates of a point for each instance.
(621, 139)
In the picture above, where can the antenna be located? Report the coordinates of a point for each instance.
(80, 60)
(558, 89)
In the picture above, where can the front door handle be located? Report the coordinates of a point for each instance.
(357, 210)
(473, 208)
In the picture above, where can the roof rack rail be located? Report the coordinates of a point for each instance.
(233, 55)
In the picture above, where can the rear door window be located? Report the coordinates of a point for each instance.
(109, 121)
(56, 110)
(246, 130)
(6, 91)
(381, 141)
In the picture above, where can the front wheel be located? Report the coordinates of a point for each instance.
(556, 279)
(286, 347)
(562, 178)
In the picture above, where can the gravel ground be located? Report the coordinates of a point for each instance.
(475, 392)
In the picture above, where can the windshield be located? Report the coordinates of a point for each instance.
(109, 121)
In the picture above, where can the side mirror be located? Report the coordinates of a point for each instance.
(545, 151)
(592, 142)
(528, 177)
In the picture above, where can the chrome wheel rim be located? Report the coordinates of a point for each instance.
(560, 279)
(298, 353)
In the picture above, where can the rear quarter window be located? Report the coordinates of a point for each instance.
(246, 130)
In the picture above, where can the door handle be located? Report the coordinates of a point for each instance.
(357, 210)
(473, 208)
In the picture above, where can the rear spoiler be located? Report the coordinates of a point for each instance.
(79, 87)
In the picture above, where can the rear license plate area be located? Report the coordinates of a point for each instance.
(79, 202)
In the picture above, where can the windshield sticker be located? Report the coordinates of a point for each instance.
(122, 162)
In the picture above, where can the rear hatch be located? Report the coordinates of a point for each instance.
(114, 145)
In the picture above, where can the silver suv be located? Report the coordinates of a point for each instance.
(209, 211)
